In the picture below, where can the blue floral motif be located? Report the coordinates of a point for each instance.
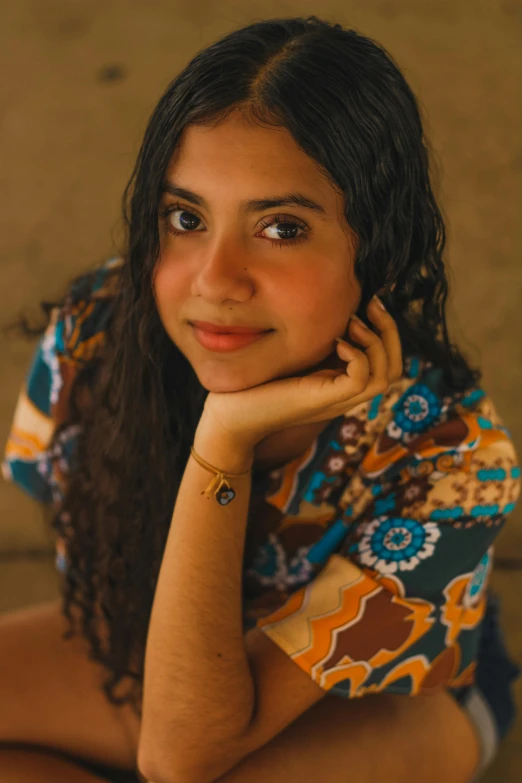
(301, 569)
(270, 565)
(417, 409)
(392, 544)
(385, 504)
(267, 561)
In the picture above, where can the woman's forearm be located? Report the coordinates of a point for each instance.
(198, 689)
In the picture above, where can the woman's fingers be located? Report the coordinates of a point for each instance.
(376, 354)
(390, 338)
(379, 363)
(358, 368)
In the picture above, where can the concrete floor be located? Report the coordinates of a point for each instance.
(70, 132)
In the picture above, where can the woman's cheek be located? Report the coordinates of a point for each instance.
(170, 288)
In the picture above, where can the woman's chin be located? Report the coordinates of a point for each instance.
(225, 385)
(224, 380)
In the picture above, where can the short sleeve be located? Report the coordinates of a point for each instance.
(25, 460)
(75, 335)
(398, 607)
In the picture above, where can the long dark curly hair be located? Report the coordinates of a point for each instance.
(137, 403)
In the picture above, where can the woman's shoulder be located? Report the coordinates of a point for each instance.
(423, 402)
(421, 431)
(76, 329)
(74, 335)
(422, 414)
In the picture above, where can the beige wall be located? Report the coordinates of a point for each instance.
(68, 138)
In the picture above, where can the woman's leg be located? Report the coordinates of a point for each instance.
(425, 739)
(19, 765)
(51, 694)
(381, 737)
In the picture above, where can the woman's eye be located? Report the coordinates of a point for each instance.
(284, 228)
(280, 229)
(186, 222)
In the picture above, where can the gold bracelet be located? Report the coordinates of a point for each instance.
(223, 493)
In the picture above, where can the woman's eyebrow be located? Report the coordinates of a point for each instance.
(254, 205)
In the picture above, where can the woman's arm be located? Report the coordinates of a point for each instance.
(198, 687)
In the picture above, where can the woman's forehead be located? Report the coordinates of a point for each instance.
(236, 150)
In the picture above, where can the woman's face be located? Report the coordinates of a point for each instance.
(235, 265)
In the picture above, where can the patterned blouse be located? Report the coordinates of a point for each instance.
(367, 558)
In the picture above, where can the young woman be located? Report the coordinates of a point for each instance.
(275, 545)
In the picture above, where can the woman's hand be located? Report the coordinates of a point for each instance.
(249, 416)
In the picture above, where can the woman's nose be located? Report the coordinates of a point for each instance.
(223, 272)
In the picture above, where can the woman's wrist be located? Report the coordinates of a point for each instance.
(221, 449)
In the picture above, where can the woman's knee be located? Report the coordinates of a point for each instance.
(52, 694)
(449, 737)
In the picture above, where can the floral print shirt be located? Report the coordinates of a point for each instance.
(367, 558)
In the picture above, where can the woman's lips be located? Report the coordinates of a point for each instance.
(210, 327)
(222, 343)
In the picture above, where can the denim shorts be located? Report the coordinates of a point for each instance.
(489, 702)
